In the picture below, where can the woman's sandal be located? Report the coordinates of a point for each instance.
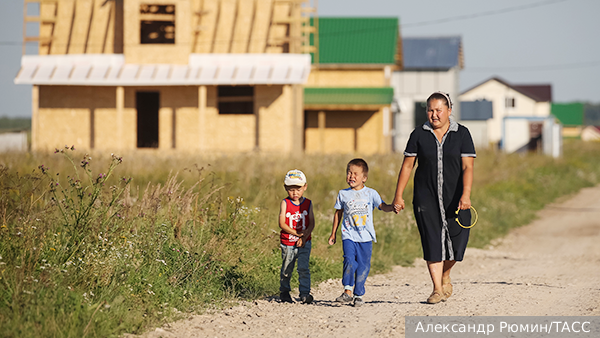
(435, 298)
(447, 288)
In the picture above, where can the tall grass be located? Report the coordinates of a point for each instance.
(97, 245)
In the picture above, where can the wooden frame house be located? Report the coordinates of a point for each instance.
(185, 75)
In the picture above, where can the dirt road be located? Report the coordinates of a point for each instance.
(548, 268)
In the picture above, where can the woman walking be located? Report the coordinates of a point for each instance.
(442, 184)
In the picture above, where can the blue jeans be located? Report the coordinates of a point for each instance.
(357, 264)
(289, 255)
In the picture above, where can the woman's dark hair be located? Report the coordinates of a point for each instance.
(359, 162)
(445, 97)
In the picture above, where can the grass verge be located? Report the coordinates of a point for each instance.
(99, 248)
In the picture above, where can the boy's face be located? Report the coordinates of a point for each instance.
(355, 177)
(295, 192)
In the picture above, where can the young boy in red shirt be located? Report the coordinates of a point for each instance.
(297, 222)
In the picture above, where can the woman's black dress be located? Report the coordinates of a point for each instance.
(438, 188)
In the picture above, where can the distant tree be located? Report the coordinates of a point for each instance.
(14, 124)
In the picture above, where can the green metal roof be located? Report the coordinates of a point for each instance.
(348, 96)
(357, 40)
(569, 114)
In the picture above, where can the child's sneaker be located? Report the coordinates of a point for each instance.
(358, 301)
(307, 299)
(344, 298)
(285, 297)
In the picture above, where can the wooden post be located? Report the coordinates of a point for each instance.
(120, 109)
(202, 117)
(35, 116)
(297, 118)
(322, 124)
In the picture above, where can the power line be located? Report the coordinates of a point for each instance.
(487, 13)
(588, 64)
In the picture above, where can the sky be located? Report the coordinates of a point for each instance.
(553, 42)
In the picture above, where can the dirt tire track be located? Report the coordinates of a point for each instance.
(548, 268)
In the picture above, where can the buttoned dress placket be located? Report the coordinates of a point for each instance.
(446, 254)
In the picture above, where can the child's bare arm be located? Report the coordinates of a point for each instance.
(386, 207)
(337, 217)
(282, 225)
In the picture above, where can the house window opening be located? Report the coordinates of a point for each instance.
(509, 102)
(236, 99)
(147, 104)
(157, 24)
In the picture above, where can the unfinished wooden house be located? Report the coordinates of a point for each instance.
(191, 75)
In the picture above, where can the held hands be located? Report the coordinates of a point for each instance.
(300, 243)
(398, 205)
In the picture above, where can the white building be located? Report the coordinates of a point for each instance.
(521, 119)
(430, 64)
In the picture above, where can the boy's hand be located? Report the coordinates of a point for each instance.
(386, 207)
(332, 240)
(300, 243)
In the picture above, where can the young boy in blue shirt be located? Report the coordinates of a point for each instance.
(354, 207)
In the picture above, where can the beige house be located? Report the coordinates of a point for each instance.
(189, 75)
(348, 95)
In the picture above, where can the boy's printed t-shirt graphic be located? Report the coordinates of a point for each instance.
(358, 205)
(296, 217)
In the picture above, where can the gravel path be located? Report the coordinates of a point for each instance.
(548, 268)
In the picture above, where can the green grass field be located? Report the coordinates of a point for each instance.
(95, 246)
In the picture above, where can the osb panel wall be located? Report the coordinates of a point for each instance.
(88, 118)
(345, 132)
(201, 26)
(179, 122)
(347, 78)
(81, 26)
(95, 120)
(67, 114)
(275, 118)
(227, 132)
(239, 26)
(237, 132)
(370, 135)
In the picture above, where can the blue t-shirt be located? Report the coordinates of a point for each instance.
(358, 205)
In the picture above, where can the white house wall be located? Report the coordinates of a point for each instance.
(416, 86)
(517, 134)
(478, 130)
(497, 93)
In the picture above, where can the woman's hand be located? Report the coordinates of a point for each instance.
(464, 203)
(398, 205)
